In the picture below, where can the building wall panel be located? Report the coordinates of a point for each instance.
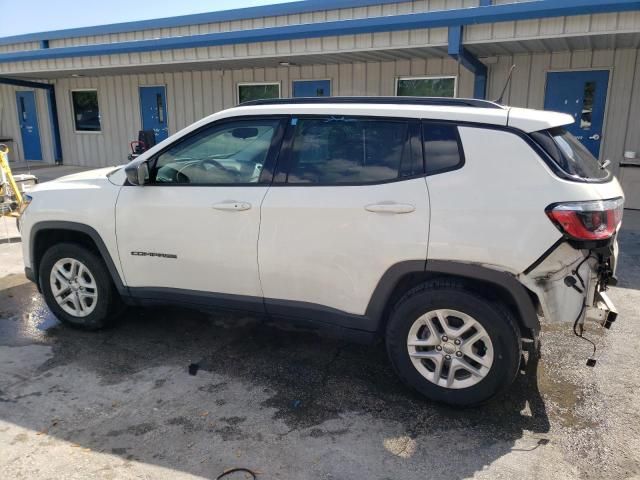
(416, 6)
(19, 47)
(558, 30)
(623, 112)
(194, 94)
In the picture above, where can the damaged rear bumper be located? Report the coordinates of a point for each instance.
(603, 311)
(570, 284)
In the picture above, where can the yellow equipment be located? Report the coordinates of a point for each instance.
(12, 200)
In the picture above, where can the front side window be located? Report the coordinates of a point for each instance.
(231, 153)
(426, 87)
(341, 150)
(86, 112)
(570, 154)
(258, 91)
(442, 149)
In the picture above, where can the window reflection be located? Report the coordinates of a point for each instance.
(231, 153)
(426, 87)
(441, 148)
(587, 105)
(344, 150)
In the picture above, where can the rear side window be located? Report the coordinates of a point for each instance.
(442, 147)
(568, 153)
(342, 150)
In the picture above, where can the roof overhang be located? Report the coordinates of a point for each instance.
(288, 8)
(534, 9)
(486, 51)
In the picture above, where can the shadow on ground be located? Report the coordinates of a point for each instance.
(288, 402)
(304, 382)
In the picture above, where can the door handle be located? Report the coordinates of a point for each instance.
(595, 136)
(390, 207)
(232, 206)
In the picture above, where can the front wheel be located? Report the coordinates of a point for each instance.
(77, 287)
(453, 345)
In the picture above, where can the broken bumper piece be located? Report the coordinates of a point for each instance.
(603, 310)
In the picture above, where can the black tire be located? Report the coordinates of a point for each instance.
(108, 302)
(498, 322)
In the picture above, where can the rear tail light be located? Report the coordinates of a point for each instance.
(595, 220)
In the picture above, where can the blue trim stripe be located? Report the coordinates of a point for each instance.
(289, 8)
(434, 19)
(24, 83)
(55, 126)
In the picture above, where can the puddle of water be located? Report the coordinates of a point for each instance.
(24, 317)
(565, 396)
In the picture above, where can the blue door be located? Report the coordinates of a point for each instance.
(583, 95)
(153, 105)
(28, 120)
(312, 88)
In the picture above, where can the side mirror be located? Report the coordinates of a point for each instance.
(138, 174)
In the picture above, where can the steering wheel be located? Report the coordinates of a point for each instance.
(218, 165)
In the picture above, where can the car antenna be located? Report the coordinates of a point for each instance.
(506, 84)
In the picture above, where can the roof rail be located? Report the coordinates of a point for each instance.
(430, 101)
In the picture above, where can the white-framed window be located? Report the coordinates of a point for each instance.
(258, 91)
(86, 110)
(445, 86)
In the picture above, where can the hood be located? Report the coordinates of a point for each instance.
(89, 175)
(82, 180)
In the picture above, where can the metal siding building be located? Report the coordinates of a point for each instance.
(363, 47)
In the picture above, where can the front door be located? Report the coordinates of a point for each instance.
(194, 228)
(28, 121)
(312, 88)
(153, 107)
(582, 95)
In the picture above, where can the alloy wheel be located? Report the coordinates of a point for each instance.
(74, 287)
(450, 349)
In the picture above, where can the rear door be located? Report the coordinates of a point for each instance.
(349, 201)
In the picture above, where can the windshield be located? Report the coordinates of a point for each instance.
(570, 155)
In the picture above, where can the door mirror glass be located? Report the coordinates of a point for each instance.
(138, 174)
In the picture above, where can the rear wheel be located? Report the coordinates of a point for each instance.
(453, 345)
(77, 287)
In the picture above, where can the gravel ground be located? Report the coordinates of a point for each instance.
(291, 404)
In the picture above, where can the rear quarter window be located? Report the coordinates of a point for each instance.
(442, 147)
(569, 155)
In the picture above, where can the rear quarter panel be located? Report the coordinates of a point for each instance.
(492, 210)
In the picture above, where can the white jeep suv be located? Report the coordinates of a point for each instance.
(448, 227)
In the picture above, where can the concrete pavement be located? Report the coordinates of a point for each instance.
(293, 405)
